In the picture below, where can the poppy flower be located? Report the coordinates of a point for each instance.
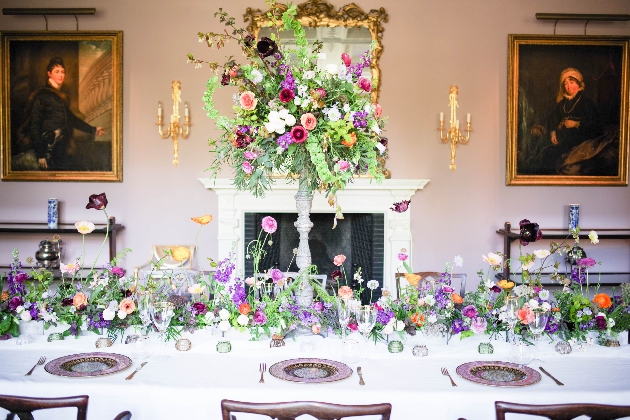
(266, 47)
(457, 298)
(97, 201)
(286, 95)
(299, 134)
(530, 232)
(412, 279)
(401, 207)
(202, 220)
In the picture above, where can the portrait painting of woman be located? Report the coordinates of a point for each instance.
(64, 102)
(565, 121)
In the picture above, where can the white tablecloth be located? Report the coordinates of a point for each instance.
(190, 385)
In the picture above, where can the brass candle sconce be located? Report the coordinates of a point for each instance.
(175, 129)
(453, 135)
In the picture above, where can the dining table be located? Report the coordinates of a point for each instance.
(190, 384)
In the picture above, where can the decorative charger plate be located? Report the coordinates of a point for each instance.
(498, 374)
(310, 371)
(87, 365)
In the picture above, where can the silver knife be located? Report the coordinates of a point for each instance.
(361, 381)
(135, 371)
(551, 376)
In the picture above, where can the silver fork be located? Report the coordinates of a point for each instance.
(263, 369)
(39, 362)
(445, 373)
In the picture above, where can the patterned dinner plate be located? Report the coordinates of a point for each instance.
(310, 371)
(498, 374)
(88, 365)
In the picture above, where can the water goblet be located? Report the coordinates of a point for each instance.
(144, 300)
(511, 314)
(161, 314)
(366, 319)
(344, 309)
(538, 325)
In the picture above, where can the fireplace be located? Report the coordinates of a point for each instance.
(362, 196)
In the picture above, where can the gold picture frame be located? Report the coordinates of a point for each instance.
(319, 13)
(563, 130)
(61, 128)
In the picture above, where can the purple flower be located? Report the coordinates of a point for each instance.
(74, 329)
(469, 311)
(530, 232)
(199, 308)
(359, 119)
(276, 275)
(402, 256)
(239, 296)
(586, 262)
(383, 317)
(317, 306)
(224, 270)
(95, 322)
(266, 47)
(117, 271)
(479, 325)
(496, 289)
(601, 322)
(14, 302)
(285, 140)
(458, 326)
(97, 201)
(34, 312)
(260, 318)
(578, 275)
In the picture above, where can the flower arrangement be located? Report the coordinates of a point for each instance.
(291, 117)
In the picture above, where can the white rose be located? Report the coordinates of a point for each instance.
(224, 325)
(400, 325)
(224, 314)
(122, 314)
(25, 315)
(242, 320)
(533, 303)
(208, 317)
(108, 314)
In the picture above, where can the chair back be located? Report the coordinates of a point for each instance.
(291, 410)
(125, 415)
(563, 411)
(23, 407)
(436, 275)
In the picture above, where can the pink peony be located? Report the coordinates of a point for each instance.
(365, 84)
(309, 121)
(346, 59)
(378, 110)
(269, 224)
(299, 134)
(343, 165)
(345, 292)
(248, 100)
(525, 315)
(339, 259)
(247, 167)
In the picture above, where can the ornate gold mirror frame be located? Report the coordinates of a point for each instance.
(315, 13)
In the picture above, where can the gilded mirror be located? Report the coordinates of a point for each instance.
(349, 30)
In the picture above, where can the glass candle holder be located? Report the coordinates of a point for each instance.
(55, 337)
(485, 348)
(224, 346)
(395, 346)
(103, 342)
(563, 347)
(183, 344)
(420, 350)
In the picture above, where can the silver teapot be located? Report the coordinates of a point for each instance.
(48, 254)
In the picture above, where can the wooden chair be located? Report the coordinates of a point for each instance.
(23, 407)
(291, 410)
(563, 411)
(436, 276)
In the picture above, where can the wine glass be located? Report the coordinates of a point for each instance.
(161, 314)
(144, 309)
(511, 310)
(538, 325)
(344, 309)
(366, 319)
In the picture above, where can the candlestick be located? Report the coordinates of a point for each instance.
(453, 135)
(175, 129)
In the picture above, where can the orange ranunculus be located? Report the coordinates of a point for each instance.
(203, 220)
(5, 296)
(244, 308)
(351, 141)
(505, 284)
(79, 300)
(413, 279)
(457, 298)
(417, 319)
(127, 305)
(602, 300)
(180, 253)
(345, 292)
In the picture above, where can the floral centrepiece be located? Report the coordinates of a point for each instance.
(290, 116)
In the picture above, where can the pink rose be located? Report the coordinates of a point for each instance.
(247, 167)
(345, 292)
(339, 259)
(525, 315)
(309, 121)
(343, 165)
(248, 100)
(269, 224)
(299, 134)
(378, 110)
(365, 84)
(346, 59)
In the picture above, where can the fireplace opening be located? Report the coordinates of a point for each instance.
(359, 236)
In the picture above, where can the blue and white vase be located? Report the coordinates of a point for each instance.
(53, 213)
(574, 216)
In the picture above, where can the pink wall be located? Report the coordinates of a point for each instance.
(427, 47)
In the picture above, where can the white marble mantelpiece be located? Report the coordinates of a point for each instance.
(361, 196)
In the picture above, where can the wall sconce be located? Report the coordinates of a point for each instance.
(453, 135)
(175, 130)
